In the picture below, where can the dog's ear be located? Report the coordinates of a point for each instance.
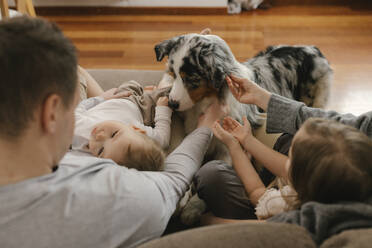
(219, 77)
(164, 48)
(214, 66)
(206, 31)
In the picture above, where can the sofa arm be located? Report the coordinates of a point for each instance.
(237, 235)
(361, 238)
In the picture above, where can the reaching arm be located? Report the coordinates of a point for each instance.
(271, 159)
(162, 130)
(247, 174)
(253, 185)
(285, 115)
(297, 113)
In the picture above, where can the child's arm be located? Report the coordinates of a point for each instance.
(162, 130)
(272, 160)
(242, 165)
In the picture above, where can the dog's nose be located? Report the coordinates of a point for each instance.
(173, 104)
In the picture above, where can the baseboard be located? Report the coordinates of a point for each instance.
(130, 10)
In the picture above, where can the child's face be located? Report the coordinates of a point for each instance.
(111, 139)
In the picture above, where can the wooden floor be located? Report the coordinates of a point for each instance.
(342, 33)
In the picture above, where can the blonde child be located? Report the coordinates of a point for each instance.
(119, 125)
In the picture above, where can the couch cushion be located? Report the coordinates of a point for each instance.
(359, 238)
(237, 235)
(110, 78)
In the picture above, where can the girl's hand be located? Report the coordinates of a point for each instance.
(241, 133)
(162, 101)
(225, 136)
(113, 94)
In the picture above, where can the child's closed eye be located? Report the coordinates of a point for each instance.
(100, 151)
(114, 133)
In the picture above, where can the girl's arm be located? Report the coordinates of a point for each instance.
(241, 164)
(274, 161)
(247, 174)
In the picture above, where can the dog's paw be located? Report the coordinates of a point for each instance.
(193, 211)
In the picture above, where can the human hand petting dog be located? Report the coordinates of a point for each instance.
(113, 94)
(248, 92)
(162, 101)
(214, 112)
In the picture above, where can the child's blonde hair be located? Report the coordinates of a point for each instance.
(148, 156)
(332, 162)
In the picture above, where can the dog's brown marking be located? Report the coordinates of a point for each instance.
(199, 93)
(172, 74)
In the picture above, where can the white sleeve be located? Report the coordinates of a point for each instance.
(87, 104)
(162, 130)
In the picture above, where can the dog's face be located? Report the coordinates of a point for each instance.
(199, 65)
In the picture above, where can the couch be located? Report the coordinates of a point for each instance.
(233, 235)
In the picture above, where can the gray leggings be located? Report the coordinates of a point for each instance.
(219, 186)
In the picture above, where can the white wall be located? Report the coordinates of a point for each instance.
(132, 3)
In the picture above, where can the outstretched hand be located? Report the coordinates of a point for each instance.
(162, 101)
(113, 94)
(214, 112)
(225, 136)
(231, 131)
(240, 132)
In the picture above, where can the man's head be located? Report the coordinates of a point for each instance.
(126, 145)
(38, 82)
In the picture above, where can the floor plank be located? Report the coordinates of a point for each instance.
(343, 34)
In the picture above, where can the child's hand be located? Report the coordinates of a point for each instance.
(149, 88)
(112, 94)
(162, 101)
(225, 136)
(240, 132)
(214, 112)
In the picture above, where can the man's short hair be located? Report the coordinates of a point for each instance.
(36, 60)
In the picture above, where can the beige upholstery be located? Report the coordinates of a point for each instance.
(238, 236)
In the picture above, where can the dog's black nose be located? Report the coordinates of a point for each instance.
(173, 104)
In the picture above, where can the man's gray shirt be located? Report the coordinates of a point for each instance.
(92, 202)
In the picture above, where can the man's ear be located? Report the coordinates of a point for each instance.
(164, 48)
(50, 112)
(206, 31)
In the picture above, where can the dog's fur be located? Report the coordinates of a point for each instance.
(199, 63)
